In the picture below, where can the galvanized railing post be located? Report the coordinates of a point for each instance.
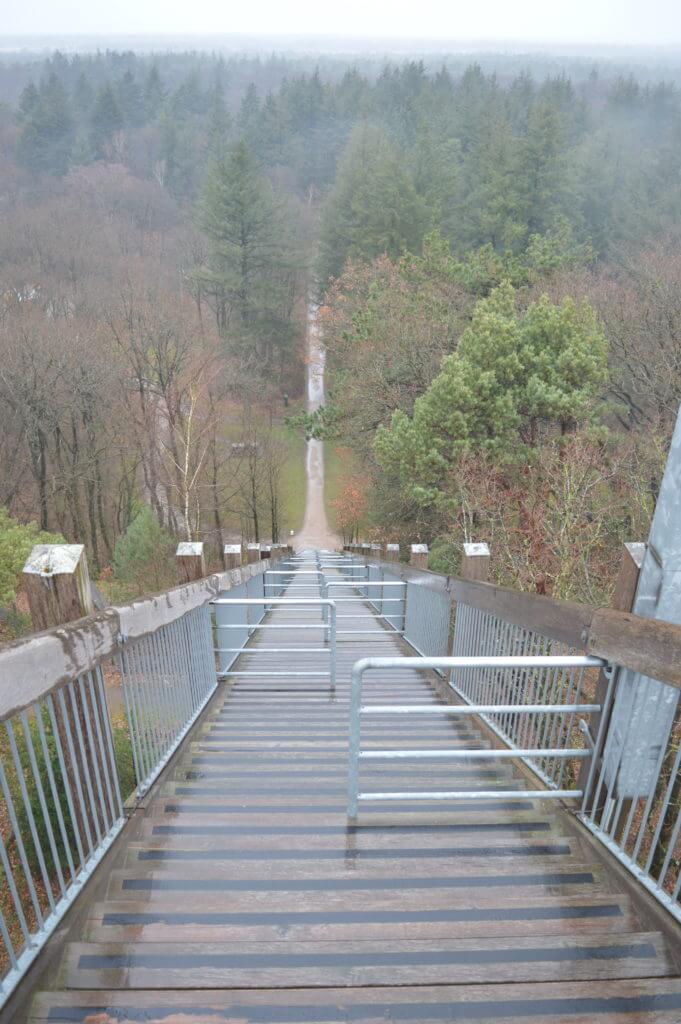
(353, 752)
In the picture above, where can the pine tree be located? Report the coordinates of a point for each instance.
(28, 103)
(373, 207)
(129, 99)
(106, 120)
(46, 135)
(250, 270)
(542, 173)
(219, 124)
(83, 96)
(511, 376)
(154, 94)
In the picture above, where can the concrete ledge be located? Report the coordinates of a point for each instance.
(33, 666)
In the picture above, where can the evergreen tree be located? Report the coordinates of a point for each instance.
(154, 94)
(46, 135)
(219, 124)
(373, 207)
(129, 99)
(83, 96)
(509, 376)
(542, 168)
(250, 271)
(106, 120)
(28, 103)
(178, 155)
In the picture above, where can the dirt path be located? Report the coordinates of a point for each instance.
(315, 532)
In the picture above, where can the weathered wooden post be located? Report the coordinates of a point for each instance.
(418, 557)
(392, 552)
(475, 562)
(252, 553)
(375, 551)
(233, 556)
(190, 561)
(265, 550)
(57, 584)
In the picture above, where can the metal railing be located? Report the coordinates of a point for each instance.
(90, 714)
(327, 626)
(559, 749)
(374, 594)
(560, 683)
(609, 737)
(632, 799)
(167, 678)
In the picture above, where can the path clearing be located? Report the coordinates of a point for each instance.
(315, 532)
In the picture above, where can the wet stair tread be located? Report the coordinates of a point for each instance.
(632, 1001)
(244, 894)
(363, 962)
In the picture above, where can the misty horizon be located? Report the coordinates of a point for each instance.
(434, 24)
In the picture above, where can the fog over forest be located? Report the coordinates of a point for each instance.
(172, 204)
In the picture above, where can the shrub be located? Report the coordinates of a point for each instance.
(144, 554)
(16, 541)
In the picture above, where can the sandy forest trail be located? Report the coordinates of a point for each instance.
(315, 532)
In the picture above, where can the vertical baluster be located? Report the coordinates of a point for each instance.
(41, 798)
(76, 818)
(14, 892)
(56, 797)
(100, 756)
(109, 741)
(8, 944)
(84, 760)
(126, 666)
(21, 849)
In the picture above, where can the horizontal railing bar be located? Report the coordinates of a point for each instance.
(274, 600)
(230, 672)
(273, 650)
(477, 709)
(480, 794)
(493, 661)
(457, 754)
(365, 632)
(365, 583)
(270, 626)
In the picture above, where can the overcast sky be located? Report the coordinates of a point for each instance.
(642, 22)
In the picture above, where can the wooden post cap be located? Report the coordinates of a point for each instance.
(475, 562)
(57, 584)
(476, 550)
(418, 556)
(189, 555)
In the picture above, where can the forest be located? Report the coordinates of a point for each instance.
(494, 249)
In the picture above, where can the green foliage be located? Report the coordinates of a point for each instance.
(47, 128)
(125, 762)
(373, 208)
(16, 541)
(34, 804)
(107, 119)
(250, 269)
(51, 765)
(143, 555)
(512, 377)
